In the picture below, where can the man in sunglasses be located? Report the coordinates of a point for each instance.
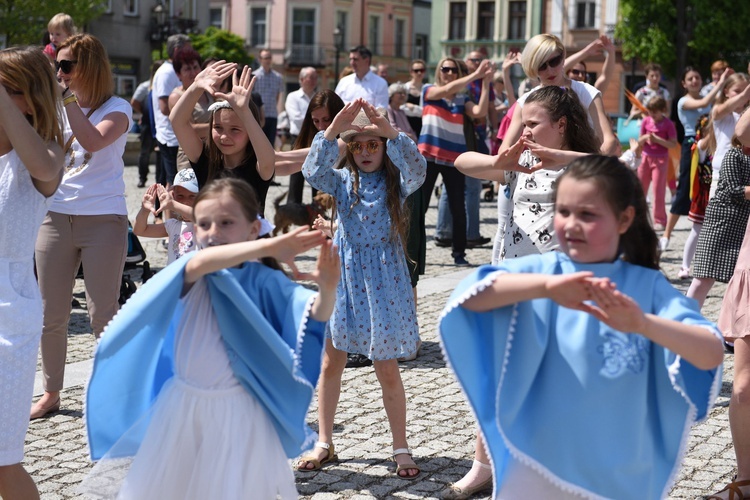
(363, 83)
(165, 81)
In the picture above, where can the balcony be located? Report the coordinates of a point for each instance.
(305, 55)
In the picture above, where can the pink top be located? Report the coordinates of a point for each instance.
(664, 129)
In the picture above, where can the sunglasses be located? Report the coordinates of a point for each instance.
(65, 66)
(418, 70)
(357, 147)
(449, 69)
(552, 63)
(476, 60)
(577, 72)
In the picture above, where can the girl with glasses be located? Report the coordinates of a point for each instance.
(374, 313)
(442, 138)
(30, 171)
(87, 224)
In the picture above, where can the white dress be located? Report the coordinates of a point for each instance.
(22, 209)
(208, 437)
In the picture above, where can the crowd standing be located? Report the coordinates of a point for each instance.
(574, 307)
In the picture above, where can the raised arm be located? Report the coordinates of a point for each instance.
(208, 80)
(92, 137)
(479, 110)
(43, 160)
(239, 98)
(435, 92)
(690, 103)
(608, 68)
(511, 58)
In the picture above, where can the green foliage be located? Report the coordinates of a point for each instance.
(679, 33)
(25, 21)
(221, 44)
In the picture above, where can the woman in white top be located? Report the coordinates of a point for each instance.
(542, 60)
(87, 223)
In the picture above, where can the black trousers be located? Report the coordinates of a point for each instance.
(453, 183)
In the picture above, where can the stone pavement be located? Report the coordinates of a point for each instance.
(440, 426)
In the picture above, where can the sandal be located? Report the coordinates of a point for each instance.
(734, 489)
(405, 467)
(317, 464)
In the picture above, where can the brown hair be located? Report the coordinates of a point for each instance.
(27, 70)
(215, 156)
(562, 102)
(92, 71)
(323, 99)
(657, 103)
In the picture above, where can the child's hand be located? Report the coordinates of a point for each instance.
(508, 159)
(327, 270)
(379, 124)
(286, 247)
(571, 290)
(242, 87)
(549, 158)
(512, 57)
(635, 146)
(165, 198)
(323, 225)
(210, 78)
(343, 120)
(615, 309)
(148, 202)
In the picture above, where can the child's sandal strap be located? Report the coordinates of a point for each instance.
(321, 444)
(401, 451)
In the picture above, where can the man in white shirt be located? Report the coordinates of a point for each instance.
(363, 83)
(165, 81)
(296, 108)
(270, 85)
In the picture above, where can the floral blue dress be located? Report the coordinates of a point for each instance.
(374, 313)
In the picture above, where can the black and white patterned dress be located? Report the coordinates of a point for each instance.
(726, 217)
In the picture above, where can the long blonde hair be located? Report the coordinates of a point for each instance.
(92, 70)
(27, 70)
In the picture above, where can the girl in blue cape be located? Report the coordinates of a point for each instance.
(210, 389)
(585, 368)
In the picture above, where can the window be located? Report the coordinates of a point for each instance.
(400, 39)
(373, 34)
(420, 47)
(303, 27)
(517, 20)
(257, 26)
(216, 17)
(585, 14)
(457, 21)
(130, 7)
(107, 6)
(342, 21)
(486, 21)
(185, 9)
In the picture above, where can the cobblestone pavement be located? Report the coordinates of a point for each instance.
(440, 427)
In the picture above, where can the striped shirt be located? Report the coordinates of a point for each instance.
(442, 138)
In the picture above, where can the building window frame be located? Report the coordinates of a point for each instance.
(400, 37)
(130, 8)
(517, 19)
(375, 33)
(457, 20)
(257, 28)
(585, 14)
(486, 20)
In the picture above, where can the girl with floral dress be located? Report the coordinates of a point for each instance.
(374, 313)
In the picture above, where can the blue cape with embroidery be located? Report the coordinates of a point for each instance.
(596, 411)
(274, 347)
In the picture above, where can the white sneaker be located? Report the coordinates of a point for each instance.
(663, 244)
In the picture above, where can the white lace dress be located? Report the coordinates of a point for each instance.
(22, 210)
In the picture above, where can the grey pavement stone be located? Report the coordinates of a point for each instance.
(439, 423)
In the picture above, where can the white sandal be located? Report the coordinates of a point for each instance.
(412, 465)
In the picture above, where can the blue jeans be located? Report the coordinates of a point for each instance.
(444, 227)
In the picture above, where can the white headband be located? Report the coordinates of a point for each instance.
(219, 105)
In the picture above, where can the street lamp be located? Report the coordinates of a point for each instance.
(338, 41)
(160, 26)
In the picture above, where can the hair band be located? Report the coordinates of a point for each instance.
(219, 105)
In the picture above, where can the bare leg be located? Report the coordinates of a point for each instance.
(329, 390)
(699, 289)
(739, 412)
(50, 401)
(671, 223)
(394, 401)
(16, 484)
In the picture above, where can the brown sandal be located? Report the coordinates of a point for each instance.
(405, 467)
(317, 464)
(734, 489)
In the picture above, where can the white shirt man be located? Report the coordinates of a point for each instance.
(297, 101)
(363, 83)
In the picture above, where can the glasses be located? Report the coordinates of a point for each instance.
(476, 60)
(552, 63)
(418, 70)
(357, 147)
(65, 66)
(577, 72)
(449, 69)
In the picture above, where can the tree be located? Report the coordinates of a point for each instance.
(25, 21)
(221, 44)
(679, 33)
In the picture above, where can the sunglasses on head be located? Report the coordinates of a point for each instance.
(449, 69)
(357, 147)
(65, 66)
(418, 70)
(552, 63)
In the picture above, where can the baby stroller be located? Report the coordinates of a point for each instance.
(136, 255)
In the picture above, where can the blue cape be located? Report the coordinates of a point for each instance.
(274, 347)
(596, 411)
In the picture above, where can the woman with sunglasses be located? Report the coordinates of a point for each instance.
(575, 66)
(542, 60)
(442, 137)
(30, 171)
(87, 223)
(413, 108)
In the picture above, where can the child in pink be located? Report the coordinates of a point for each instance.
(658, 136)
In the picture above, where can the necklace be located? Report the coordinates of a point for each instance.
(69, 167)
